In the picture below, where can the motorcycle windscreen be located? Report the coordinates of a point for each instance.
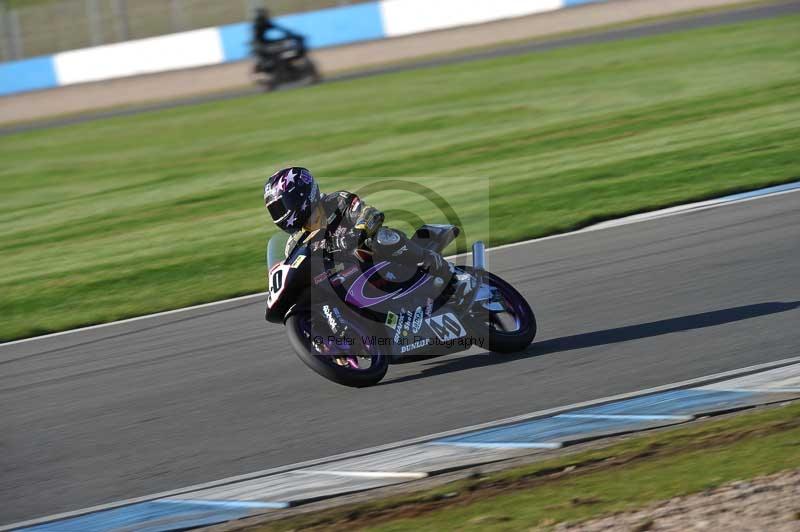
(276, 249)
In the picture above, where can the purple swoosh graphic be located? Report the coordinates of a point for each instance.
(355, 295)
(421, 281)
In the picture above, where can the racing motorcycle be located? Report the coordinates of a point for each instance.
(349, 317)
(283, 61)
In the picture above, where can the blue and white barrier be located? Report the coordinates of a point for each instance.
(405, 17)
(27, 75)
(157, 54)
(324, 28)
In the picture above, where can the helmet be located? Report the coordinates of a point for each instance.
(291, 195)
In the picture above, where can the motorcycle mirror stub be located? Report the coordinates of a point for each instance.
(479, 256)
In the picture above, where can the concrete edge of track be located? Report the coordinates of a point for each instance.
(302, 483)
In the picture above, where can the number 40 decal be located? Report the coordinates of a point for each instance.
(277, 281)
(447, 327)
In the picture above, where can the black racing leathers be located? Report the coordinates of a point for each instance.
(353, 226)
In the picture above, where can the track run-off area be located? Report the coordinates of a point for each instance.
(159, 403)
(132, 88)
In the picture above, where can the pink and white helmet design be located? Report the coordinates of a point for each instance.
(291, 195)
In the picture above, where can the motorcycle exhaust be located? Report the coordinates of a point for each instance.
(479, 256)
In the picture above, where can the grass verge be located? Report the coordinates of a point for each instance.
(121, 217)
(247, 86)
(590, 30)
(622, 477)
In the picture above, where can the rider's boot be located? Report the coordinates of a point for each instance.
(464, 285)
(444, 271)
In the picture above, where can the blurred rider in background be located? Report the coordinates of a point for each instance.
(263, 26)
(297, 206)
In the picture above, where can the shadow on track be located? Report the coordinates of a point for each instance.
(605, 337)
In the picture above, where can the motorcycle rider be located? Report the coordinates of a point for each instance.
(262, 24)
(297, 206)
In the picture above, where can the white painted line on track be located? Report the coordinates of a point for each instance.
(759, 390)
(644, 217)
(229, 504)
(499, 445)
(628, 220)
(363, 474)
(681, 209)
(632, 417)
(173, 494)
(137, 318)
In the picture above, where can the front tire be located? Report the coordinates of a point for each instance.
(313, 73)
(503, 338)
(301, 333)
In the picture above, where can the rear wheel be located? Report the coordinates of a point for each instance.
(510, 321)
(349, 361)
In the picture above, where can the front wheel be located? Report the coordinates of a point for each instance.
(509, 319)
(312, 71)
(350, 361)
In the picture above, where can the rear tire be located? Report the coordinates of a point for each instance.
(305, 350)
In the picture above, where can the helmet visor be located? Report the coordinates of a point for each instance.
(276, 209)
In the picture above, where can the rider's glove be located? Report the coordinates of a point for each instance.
(436, 264)
(369, 221)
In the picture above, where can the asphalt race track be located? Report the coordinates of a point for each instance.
(165, 402)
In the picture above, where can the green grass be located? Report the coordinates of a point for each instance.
(589, 30)
(621, 477)
(115, 218)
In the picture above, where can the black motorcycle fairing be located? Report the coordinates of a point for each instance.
(436, 237)
(309, 274)
(341, 339)
(283, 61)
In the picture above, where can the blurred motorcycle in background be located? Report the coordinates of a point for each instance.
(283, 61)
